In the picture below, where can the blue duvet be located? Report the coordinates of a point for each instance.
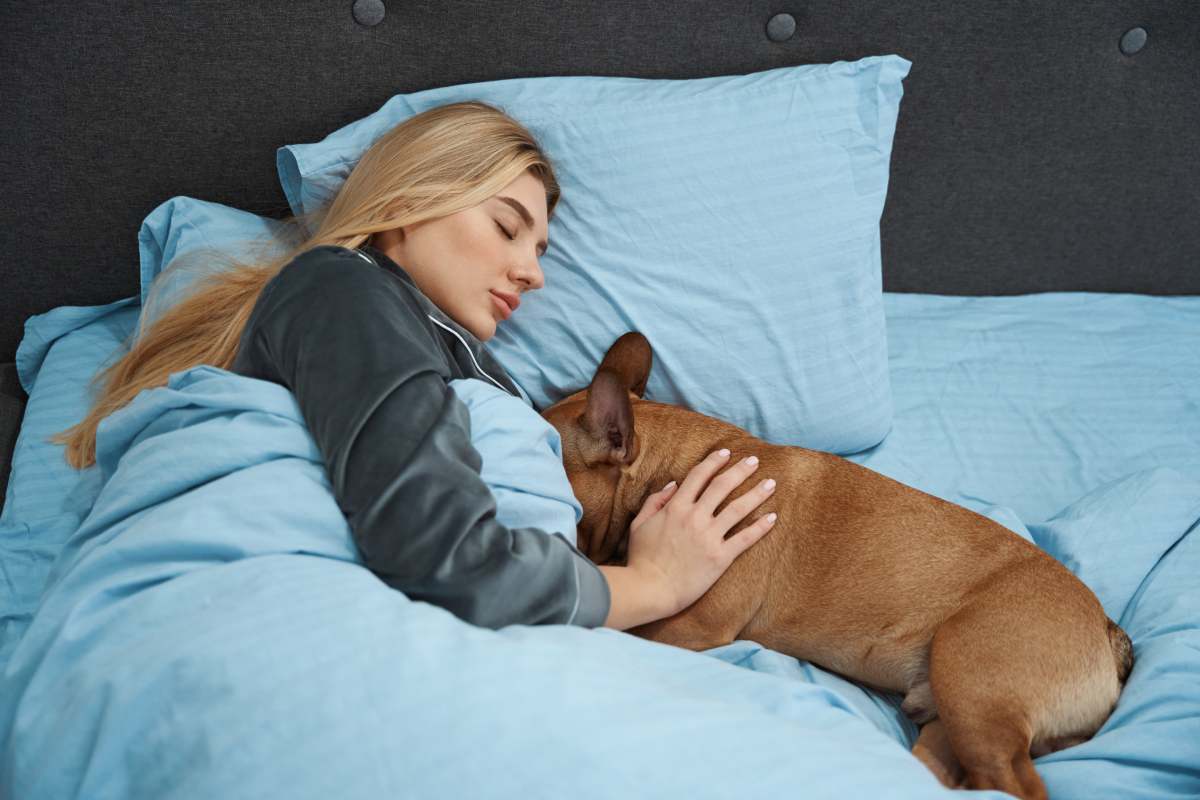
(209, 632)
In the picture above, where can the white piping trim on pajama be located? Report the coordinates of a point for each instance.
(441, 324)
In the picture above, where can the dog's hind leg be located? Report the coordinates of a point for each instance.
(993, 749)
(933, 750)
(983, 706)
(1012, 671)
(932, 747)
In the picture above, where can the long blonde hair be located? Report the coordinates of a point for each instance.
(434, 164)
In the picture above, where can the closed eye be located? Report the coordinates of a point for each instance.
(512, 238)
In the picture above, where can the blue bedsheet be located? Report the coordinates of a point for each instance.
(208, 632)
(191, 648)
(1032, 401)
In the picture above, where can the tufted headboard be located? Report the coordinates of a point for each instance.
(1041, 146)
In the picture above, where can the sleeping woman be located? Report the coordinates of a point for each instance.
(425, 250)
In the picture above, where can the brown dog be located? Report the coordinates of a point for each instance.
(999, 650)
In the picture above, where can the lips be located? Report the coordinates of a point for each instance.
(507, 303)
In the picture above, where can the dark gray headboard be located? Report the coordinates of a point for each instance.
(1031, 153)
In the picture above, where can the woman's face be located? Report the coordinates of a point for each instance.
(466, 261)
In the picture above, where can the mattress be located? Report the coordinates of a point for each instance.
(1072, 418)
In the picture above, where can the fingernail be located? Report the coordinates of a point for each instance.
(668, 486)
(769, 484)
(772, 517)
(752, 460)
(723, 453)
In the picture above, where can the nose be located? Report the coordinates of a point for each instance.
(529, 272)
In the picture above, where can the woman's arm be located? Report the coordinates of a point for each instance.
(635, 600)
(370, 378)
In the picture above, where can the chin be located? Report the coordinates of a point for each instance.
(481, 326)
(485, 330)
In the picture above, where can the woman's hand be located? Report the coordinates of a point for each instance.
(677, 543)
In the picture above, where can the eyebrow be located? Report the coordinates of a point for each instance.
(525, 216)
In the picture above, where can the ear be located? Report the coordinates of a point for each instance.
(629, 358)
(608, 420)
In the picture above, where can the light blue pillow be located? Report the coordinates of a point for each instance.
(733, 220)
(60, 352)
(185, 225)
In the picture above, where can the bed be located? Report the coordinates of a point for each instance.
(200, 626)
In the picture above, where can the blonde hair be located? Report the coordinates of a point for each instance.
(434, 164)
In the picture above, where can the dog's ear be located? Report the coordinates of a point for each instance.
(630, 358)
(608, 420)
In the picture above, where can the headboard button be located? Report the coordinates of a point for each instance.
(781, 27)
(368, 12)
(1133, 41)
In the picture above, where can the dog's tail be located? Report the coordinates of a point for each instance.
(1122, 650)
